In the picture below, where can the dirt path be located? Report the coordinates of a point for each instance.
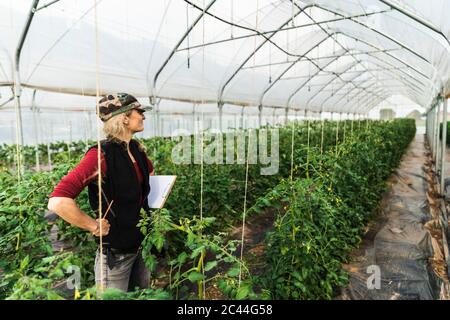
(396, 246)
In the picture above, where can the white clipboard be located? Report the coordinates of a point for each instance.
(160, 187)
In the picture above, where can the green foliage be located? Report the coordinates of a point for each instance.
(325, 214)
(338, 176)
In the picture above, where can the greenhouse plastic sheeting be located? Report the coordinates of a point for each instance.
(323, 55)
(397, 242)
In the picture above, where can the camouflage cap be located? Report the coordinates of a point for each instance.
(111, 105)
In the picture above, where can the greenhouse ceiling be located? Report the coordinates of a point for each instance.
(342, 56)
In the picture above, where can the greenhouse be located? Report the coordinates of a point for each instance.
(224, 150)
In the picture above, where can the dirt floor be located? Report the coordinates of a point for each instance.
(397, 247)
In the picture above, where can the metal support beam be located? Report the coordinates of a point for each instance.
(47, 5)
(371, 45)
(436, 136)
(158, 120)
(263, 33)
(346, 83)
(35, 129)
(273, 117)
(220, 107)
(358, 103)
(193, 118)
(384, 35)
(318, 58)
(335, 40)
(375, 31)
(194, 23)
(6, 102)
(260, 108)
(18, 88)
(406, 64)
(261, 97)
(286, 113)
(409, 82)
(227, 82)
(416, 19)
(444, 147)
(438, 141)
(431, 135)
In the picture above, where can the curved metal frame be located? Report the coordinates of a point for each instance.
(381, 51)
(290, 67)
(223, 87)
(358, 22)
(406, 83)
(194, 23)
(415, 18)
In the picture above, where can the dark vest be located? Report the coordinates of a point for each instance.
(121, 184)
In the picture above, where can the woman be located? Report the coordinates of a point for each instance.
(125, 171)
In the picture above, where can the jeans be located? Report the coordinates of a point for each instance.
(128, 272)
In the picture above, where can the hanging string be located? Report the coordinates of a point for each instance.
(353, 118)
(99, 180)
(232, 19)
(345, 127)
(19, 168)
(292, 150)
(244, 213)
(270, 64)
(202, 294)
(187, 38)
(293, 194)
(246, 168)
(322, 124)
(307, 148)
(292, 13)
(201, 191)
(287, 45)
(337, 135)
(18, 157)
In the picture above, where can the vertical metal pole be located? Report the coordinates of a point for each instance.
(18, 89)
(49, 150)
(444, 146)
(273, 117)
(242, 118)
(49, 156)
(86, 124)
(438, 142)
(158, 120)
(436, 134)
(220, 106)
(430, 127)
(433, 127)
(260, 116)
(193, 119)
(89, 128)
(322, 124)
(36, 135)
(286, 113)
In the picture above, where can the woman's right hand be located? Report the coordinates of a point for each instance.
(105, 228)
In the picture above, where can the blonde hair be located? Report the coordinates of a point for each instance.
(114, 129)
